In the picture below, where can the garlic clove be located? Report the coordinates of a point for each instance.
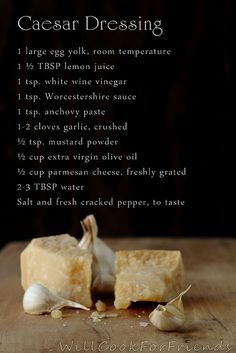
(103, 283)
(38, 300)
(103, 267)
(87, 239)
(164, 320)
(90, 229)
(64, 302)
(171, 316)
(104, 258)
(177, 302)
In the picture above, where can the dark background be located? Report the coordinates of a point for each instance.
(183, 117)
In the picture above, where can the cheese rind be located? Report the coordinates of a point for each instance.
(147, 275)
(59, 264)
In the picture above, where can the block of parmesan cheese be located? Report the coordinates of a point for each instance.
(147, 275)
(60, 265)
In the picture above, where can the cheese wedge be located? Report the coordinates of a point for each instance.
(60, 265)
(147, 275)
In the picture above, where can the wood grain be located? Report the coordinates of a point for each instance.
(210, 307)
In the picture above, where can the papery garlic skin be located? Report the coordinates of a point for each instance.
(38, 300)
(103, 267)
(171, 316)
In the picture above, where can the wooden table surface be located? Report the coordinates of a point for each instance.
(210, 306)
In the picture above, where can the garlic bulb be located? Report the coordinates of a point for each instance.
(171, 316)
(104, 258)
(38, 300)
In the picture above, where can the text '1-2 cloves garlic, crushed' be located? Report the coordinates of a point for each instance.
(171, 316)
